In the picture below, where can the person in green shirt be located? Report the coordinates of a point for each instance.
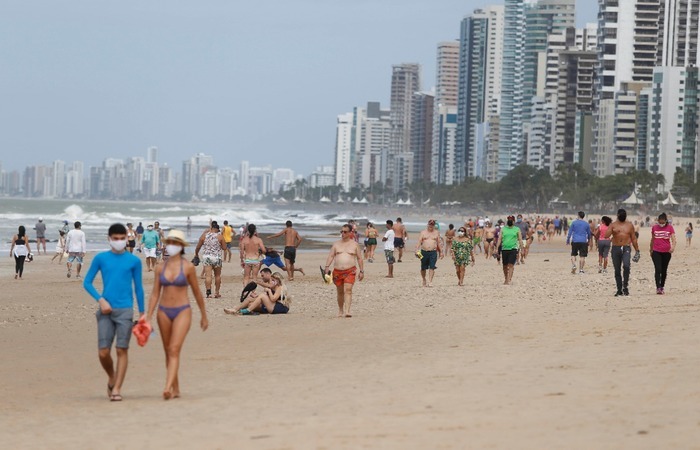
(509, 239)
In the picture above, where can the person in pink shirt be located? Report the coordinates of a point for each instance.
(603, 244)
(663, 242)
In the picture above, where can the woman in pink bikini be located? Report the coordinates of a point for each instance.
(172, 278)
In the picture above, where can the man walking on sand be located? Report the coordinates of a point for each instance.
(429, 246)
(40, 228)
(76, 248)
(121, 279)
(151, 242)
(621, 232)
(388, 240)
(345, 257)
(291, 242)
(579, 236)
(400, 237)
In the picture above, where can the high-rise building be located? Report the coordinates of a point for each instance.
(629, 28)
(373, 137)
(152, 155)
(422, 135)
(444, 170)
(405, 81)
(678, 32)
(479, 89)
(446, 92)
(343, 150)
(669, 140)
(244, 177)
(510, 142)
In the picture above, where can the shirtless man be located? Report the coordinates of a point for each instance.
(489, 237)
(478, 237)
(539, 228)
(345, 257)
(621, 232)
(429, 245)
(401, 236)
(251, 247)
(291, 242)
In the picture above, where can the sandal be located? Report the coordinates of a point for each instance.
(115, 398)
(217, 295)
(208, 293)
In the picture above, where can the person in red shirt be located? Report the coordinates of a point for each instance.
(663, 243)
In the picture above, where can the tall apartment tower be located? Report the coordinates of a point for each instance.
(371, 140)
(480, 70)
(422, 135)
(343, 150)
(678, 33)
(152, 155)
(405, 81)
(630, 28)
(510, 141)
(446, 94)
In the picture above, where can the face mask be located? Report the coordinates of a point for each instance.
(173, 249)
(460, 233)
(117, 245)
(150, 228)
(519, 220)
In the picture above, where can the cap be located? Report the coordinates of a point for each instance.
(41, 219)
(176, 236)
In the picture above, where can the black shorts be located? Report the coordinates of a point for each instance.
(131, 244)
(579, 249)
(290, 253)
(509, 256)
(398, 243)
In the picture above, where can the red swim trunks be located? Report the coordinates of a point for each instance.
(346, 276)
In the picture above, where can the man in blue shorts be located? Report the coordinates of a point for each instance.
(121, 278)
(430, 247)
(579, 235)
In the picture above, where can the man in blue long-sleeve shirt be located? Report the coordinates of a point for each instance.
(579, 235)
(121, 278)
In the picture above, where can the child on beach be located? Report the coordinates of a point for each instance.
(60, 246)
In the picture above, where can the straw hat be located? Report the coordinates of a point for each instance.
(177, 236)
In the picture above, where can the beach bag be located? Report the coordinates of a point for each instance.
(29, 258)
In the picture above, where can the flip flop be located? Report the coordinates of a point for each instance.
(115, 398)
(250, 287)
(326, 276)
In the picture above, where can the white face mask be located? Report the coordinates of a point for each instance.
(460, 233)
(117, 245)
(173, 249)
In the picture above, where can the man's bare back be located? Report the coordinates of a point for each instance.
(252, 247)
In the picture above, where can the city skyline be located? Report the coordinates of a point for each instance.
(87, 82)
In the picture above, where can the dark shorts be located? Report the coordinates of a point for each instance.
(372, 241)
(429, 259)
(229, 245)
(131, 244)
(398, 243)
(118, 323)
(579, 249)
(277, 261)
(509, 256)
(290, 253)
(278, 309)
(604, 248)
(389, 255)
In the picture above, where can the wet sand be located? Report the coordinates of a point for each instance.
(553, 361)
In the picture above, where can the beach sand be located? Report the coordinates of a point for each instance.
(553, 361)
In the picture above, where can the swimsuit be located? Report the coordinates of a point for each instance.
(344, 276)
(290, 253)
(462, 251)
(489, 240)
(180, 279)
(251, 261)
(172, 312)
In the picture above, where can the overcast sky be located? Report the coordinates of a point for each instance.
(256, 80)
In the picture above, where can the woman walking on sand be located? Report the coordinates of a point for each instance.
(462, 252)
(20, 250)
(688, 234)
(663, 242)
(172, 279)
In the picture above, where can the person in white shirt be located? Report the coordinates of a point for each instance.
(76, 248)
(388, 240)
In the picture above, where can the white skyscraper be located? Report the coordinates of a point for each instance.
(152, 155)
(343, 150)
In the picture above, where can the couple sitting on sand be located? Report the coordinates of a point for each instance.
(274, 298)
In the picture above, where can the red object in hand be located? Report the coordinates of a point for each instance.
(142, 330)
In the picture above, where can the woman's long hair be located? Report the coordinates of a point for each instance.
(21, 231)
(285, 298)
